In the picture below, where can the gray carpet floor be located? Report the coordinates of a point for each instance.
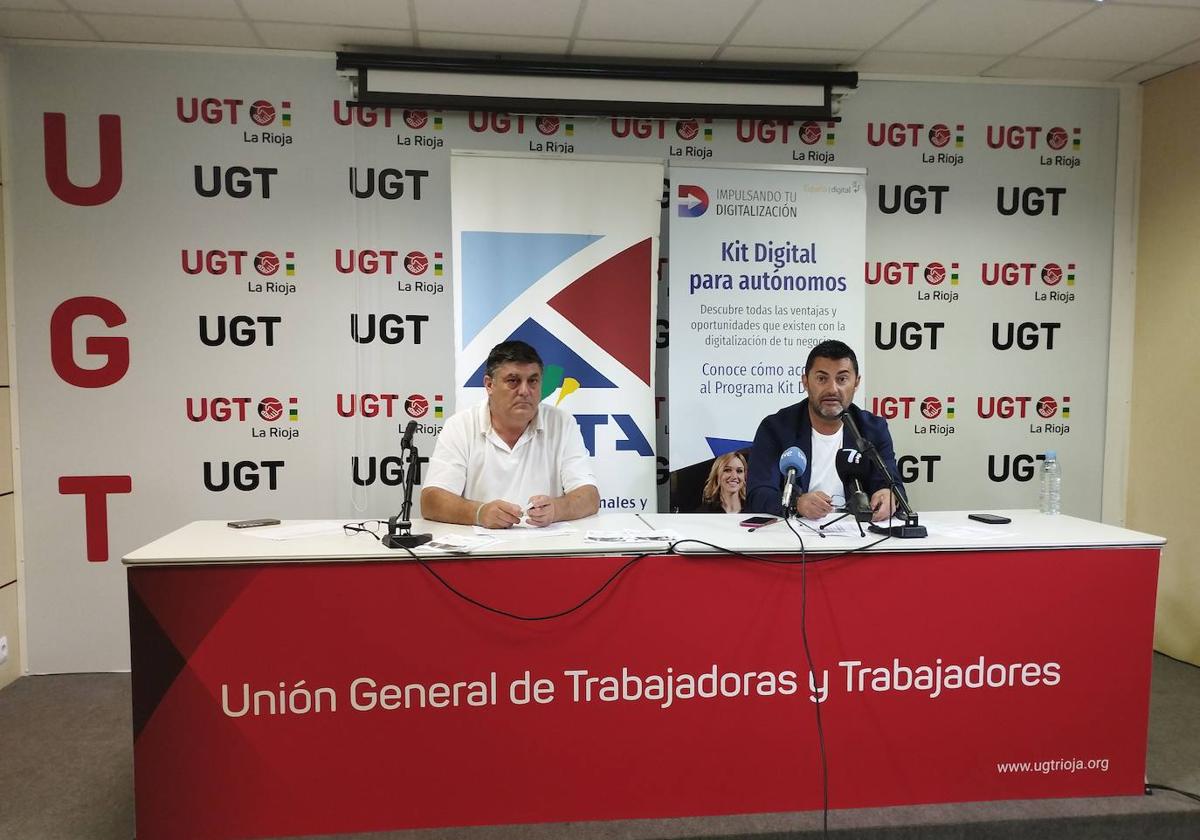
(66, 774)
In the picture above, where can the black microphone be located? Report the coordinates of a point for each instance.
(409, 431)
(848, 421)
(853, 470)
(791, 463)
(911, 527)
(399, 533)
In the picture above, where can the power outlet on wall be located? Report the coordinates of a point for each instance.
(3, 649)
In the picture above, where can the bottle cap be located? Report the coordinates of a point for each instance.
(1050, 453)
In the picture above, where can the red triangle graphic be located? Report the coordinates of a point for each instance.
(611, 306)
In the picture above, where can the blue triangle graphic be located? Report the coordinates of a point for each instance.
(553, 352)
(497, 267)
(723, 446)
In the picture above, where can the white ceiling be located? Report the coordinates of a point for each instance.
(1087, 40)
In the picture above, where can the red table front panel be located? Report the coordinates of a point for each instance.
(682, 690)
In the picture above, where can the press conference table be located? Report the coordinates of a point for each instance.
(325, 684)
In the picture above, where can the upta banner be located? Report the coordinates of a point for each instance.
(765, 266)
(574, 279)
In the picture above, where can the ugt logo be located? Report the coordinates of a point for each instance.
(930, 408)
(909, 134)
(58, 178)
(913, 199)
(894, 273)
(693, 201)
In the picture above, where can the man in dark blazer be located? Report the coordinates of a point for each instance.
(830, 379)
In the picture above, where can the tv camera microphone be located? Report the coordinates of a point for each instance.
(911, 527)
(791, 464)
(853, 470)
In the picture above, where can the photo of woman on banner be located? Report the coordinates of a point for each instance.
(725, 490)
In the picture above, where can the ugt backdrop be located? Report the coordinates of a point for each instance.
(230, 288)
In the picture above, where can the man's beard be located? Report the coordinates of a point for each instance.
(823, 409)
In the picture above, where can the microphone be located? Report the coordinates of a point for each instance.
(791, 464)
(911, 527)
(409, 431)
(848, 421)
(399, 533)
(853, 470)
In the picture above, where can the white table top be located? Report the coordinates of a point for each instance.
(948, 531)
(212, 541)
(207, 542)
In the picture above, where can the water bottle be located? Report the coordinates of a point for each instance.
(1050, 498)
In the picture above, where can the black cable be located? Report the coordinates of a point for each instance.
(760, 559)
(1188, 794)
(475, 602)
(812, 670)
(358, 528)
(812, 667)
(672, 550)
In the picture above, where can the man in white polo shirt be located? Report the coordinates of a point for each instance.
(510, 455)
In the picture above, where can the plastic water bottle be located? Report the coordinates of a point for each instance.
(1050, 498)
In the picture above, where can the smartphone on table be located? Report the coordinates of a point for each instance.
(251, 523)
(989, 518)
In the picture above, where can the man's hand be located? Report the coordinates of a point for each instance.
(814, 505)
(499, 514)
(541, 511)
(883, 504)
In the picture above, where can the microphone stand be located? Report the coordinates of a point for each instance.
(911, 529)
(790, 514)
(400, 533)
(858, 520)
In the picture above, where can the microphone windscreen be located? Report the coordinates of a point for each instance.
(792, 458)
(851, 465)
(409, 431)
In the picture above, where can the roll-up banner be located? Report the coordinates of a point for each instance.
(561, 254)
(765, 266)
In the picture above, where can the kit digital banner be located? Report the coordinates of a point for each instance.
(766, 267)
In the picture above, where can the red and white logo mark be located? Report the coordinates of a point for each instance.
(931, 407)
(547, 125)
(416, 406)
(810, 133)
(939, 135)
(935, 274)
(262, 112)
(416, 119)
(687, 129)
(1047, 407)
(270, 409)
(1052, 274)
(415, 262)
(266, 263)
(1056, 138)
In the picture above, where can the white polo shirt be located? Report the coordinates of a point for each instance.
(471, 460)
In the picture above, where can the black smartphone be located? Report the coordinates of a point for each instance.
(989, 518)
(252, 523)
(758, 521)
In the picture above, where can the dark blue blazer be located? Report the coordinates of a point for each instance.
(792, 426)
